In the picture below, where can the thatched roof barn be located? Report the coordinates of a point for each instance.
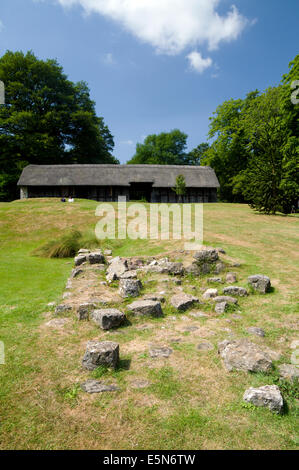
(152, 183)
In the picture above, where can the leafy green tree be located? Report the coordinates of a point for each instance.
(228, 154)
(46, 119)
(291, 109)
(195, 156)
(167, 148)
(289, 183)
(180, 187)
(255, 147)
(270, 182)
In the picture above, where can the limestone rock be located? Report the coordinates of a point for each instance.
(108, 318)
(63, 308)
(231, 278)
(134, 264)
(225, 298)
(116, 269)
(210, 293)
(183, 301)
(146, 307)
(95, 386)
(268, 396)
(164, 266)
(235, 290)
(80, 259)
(129, 275)
(274, 355)
(84, 310)
(194, 269)
(153, 263)
(69, 284)
(83, 251)
(175, 269)
(260, 283)
(206, 256)
(129, 287)
(216, 280)
(289, 372)
(96, 257)
(105, 353)
(76, 272)
(244, 355)
(219, 267)
(221, 307)
(253, 330)
(155, 297)
(158, 351)
(107, 252)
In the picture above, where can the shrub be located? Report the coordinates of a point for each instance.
(68, 245)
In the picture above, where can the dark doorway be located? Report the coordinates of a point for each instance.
(140, 191)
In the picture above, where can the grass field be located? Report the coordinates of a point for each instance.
(193, 403)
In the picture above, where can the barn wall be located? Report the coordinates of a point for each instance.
(192, 195)
(23, 192)
(111, 193)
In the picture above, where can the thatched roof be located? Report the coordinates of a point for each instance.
(162, 176)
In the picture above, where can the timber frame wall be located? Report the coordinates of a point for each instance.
(111, 193)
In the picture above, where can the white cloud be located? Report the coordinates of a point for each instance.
(1, 26)
(198, 63)
(127, 142)
(109, 59)
(170, 26)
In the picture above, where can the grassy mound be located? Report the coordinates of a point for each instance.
(192, 402)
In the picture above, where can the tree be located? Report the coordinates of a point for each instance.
(270, 182)
(228, 154)
(195, 156)
(256, 146)
(47, 119)
(180, 187)
(292, 110)
(289, 183)
(167, 148)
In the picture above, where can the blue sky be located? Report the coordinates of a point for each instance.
(156, 65)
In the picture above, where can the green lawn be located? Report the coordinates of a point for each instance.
(193, 402)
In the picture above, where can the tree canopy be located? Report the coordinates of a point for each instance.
(46, 119)
(196, 155)
(167, 148)
(269, 181)
(255, 151)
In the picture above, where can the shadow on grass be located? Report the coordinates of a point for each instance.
(252, 291)
(124, 325)
(123, 364)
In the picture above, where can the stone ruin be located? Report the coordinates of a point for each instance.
(124, 284)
